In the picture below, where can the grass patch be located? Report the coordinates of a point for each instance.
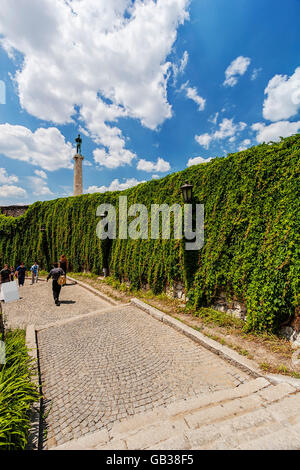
(210, 316)
(281, 369)
(265, 366)
(17, 393)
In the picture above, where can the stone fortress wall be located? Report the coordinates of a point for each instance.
(13, 211)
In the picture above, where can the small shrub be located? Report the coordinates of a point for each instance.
(17, 393)
(209, 315)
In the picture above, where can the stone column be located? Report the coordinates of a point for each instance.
(78, 174)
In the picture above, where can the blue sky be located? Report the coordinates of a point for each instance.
(152, 86)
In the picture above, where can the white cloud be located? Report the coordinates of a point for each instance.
(66, 190)
(118, 156)
(244, 145)
(255, 73)
(204, 140)
(45, 148)
(87, 163)
(192, 94)
(274, 131)
(5, 179)
(161, 166)
(237, 68)
(38, 186)
(183, 62)
(41, 174)
(108, 58)
(283, 97)
(178, 69)
(227, 129)
(197, 160)
(155, 177)
(214, 118)
(114, 186)
(12, 192)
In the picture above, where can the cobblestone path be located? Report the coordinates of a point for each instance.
(101, 364)
(37, 306)
(114, 377)
(102, 369)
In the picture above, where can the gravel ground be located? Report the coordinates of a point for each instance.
(36, 305)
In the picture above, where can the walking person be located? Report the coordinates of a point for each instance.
(55, 273)
(12, 273)
(63, 263)
(34, 272)
(21, 272)
(5, 274)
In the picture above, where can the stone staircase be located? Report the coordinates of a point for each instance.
(254, 415)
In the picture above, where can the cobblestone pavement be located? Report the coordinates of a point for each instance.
(37, 307)
(100, 370)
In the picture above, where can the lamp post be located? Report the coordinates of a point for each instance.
(105, 249)
(187, 191)
(45, 245)
(189, 257)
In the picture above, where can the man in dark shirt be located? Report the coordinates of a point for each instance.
(55, 273)
(5, 274)
(21, 272)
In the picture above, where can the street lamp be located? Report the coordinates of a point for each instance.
(45, 248)
(105, 249)
(187, 191)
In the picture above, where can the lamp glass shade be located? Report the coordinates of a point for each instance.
(187, 191)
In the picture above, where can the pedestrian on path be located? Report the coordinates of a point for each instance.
(21, 272)
(55, 273)
(63, 263)
(5, 274)
(12, 273)
(34, 272)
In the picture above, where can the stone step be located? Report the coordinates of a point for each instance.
(184, 406)
(253, 418)
(125, 428)
(239, 431)
(226, 434)
(229, 419)
(284, 439)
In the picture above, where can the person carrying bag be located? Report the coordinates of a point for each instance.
(56, 273)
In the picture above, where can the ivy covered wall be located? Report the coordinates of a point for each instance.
(251, 251)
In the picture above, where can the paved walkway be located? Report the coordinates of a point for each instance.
(254, 415)
(107, 370)
(108, 367)
(37, 306)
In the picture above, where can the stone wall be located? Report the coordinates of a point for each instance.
(232, 307)
(13, 211)
(292, 335)
(177, 291)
